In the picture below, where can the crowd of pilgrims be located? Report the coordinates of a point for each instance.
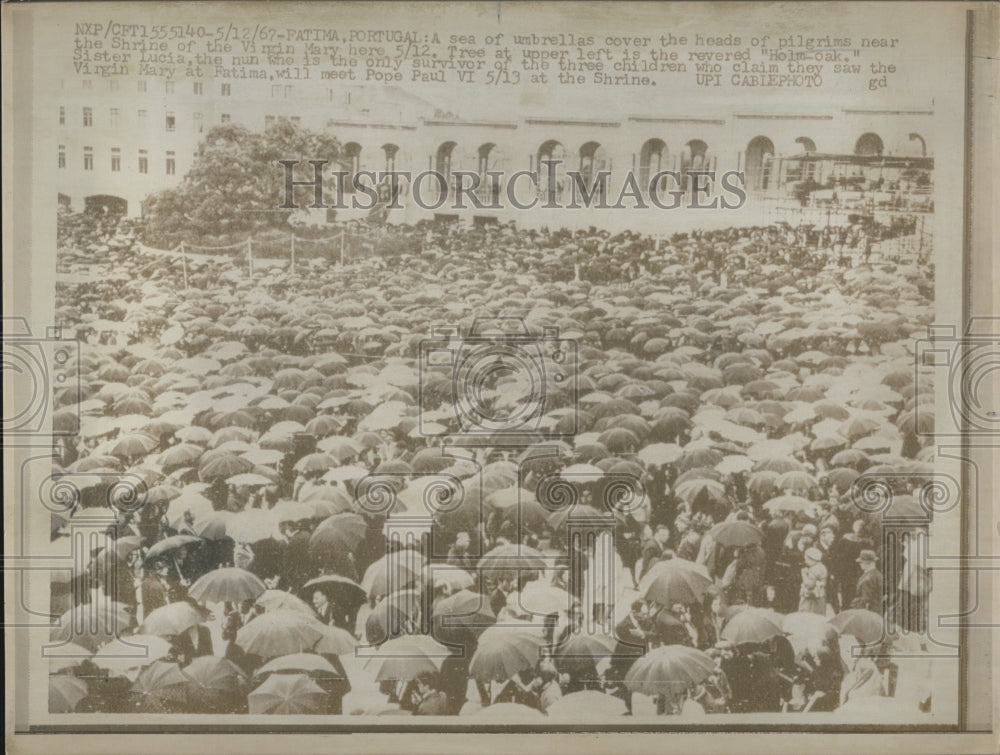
(823, 557)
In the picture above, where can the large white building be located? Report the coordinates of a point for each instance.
(122, 138)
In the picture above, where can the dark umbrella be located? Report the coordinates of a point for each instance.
(736, 534)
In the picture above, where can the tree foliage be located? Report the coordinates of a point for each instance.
(236, 185)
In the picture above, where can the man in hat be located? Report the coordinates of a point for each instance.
(868, 592)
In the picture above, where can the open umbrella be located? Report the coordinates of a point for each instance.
(454, 577)
(392, 572)
(92, 624)
(750, 626)
(211, 680)
(159, 687)
(675, 580)
(407, 657)
(669, 668)
(541, 598)
(512, 558)
(173, 619)
(736, 533)
(503, 650)
(866, 625)
(301, 663)
(279, 600)
(339, 533)
(165, 548)
(130, 652)
(229, 584)
(335, 641)
(586, 646)
(287, 694)
(276, 633)
(460, 613)
(65, 692)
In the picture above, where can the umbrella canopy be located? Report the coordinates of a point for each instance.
(586, 646)
(339, 533)
(512, 558)
(229, 584)
(335, 641)
(675, 581)
(160, 686)
(669, 668)
(173, 619)
(392, 571)
(65, 692)
(736, 534)
(287, 694)
(92, 624)
(463, 611)
(279, 600)
(504, 650)
(277, 633)
(165, 548)
(750, 626)
(867, 626)
(211, 679)
(407, 657)
(130, 652)
(301, 663)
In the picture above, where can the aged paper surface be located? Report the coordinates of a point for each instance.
(575, 370)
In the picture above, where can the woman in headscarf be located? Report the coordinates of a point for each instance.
(812, 593)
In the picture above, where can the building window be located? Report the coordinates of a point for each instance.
(113, 117)
(199, 88)
(88, 158)
(62, 115)
(171, 122)
(142, 118)
(170, 87)
(224, 118)
(227, 89)
(141, 85)
(88, 116)
(87, 84)
(143, 161)
(197, 121)
(171, 164)
(116, 159)
(62, 156)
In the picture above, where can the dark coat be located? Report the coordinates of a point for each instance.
(868, 593)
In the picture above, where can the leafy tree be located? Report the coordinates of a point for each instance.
(236, 185)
